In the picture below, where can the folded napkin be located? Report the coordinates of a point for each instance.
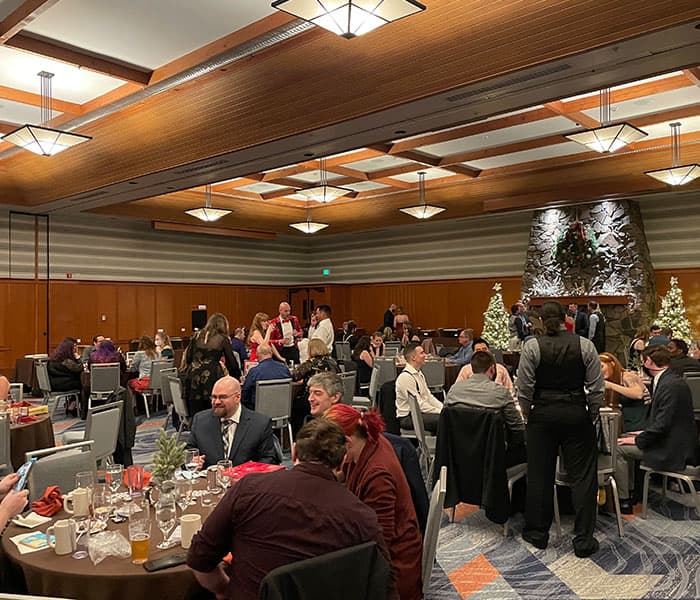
(42, 409)
(21, 404)
(27, 419)
(30, 542)
(50, 503)
(30, 520)
(146, 478)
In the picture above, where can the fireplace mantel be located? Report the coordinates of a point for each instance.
(565, 300)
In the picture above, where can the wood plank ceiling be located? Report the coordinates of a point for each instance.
(478, 161)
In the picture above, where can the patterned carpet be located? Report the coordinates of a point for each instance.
(657, 558)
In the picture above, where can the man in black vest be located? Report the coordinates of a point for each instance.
(596, 326)
(553, 371)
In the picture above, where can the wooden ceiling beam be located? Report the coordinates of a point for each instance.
(7, 93)
(116, 94)
(471, 155)
(278, 193)
(22, 16)
(579, 118)
(104, 65)
(419, 157)
(305, 167)
(209, 230)
(391, 171)
(351, 157)
(463, 170)
(348, 172)
(693, 75)
(239, 182)
(396, 183)
(7, 127)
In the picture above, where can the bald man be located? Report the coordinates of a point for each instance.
(231, 430)
(266, 369)
(286, 333)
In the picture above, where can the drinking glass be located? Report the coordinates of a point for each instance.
(140, 535)
(213, 480)
(183, 493)
(166, 514)
(192, 464)
(85, 479)
(135, 476)
(101, 506)
(115, 475)
(223, 466)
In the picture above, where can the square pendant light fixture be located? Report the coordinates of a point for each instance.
(349, 18)
(607, 138)
(44, 140)
(323, 192)
(206, 212)
(308, 226)
(675, 174)
(422, 210)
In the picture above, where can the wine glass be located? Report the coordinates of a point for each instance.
(192, 464)
(183, 493)
(115, 475)
(166, 514)
(224, 479)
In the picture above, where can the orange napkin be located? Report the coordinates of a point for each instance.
(50, 503)
(146, 478)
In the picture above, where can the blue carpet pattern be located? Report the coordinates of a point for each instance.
(658, 557)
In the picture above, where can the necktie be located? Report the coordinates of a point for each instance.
(226, 435)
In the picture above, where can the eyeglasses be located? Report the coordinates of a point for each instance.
(221, 396)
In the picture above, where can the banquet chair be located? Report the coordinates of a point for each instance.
(42, 375)
(610, 422)
(58, 466)
(432, 528)
(434, 373)
(179, 405)
(349, 381)
(104, 382)
(355, 573)
(426, 443)
(690, 475)
(273, 398)
(102, 427)
(26, 597)
(342, 351)
(17, 392)
(5, 446)
(693, 381)
(154, 386)
(165, 392)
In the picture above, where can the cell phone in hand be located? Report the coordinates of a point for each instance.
(23, 474)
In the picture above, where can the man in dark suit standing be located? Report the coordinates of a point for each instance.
(580, 320)
(231, 430)
(389, 317)
(670, 441)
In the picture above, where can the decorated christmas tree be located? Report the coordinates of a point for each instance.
(672, 313)
(496, 321)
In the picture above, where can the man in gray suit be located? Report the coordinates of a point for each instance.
(231, 430)
(481, 391)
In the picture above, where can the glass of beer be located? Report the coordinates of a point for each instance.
(140, 535)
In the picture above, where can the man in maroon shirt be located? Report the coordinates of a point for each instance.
(273, 519)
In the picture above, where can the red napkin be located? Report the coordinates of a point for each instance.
(240, 471)
(50, 503)
(21, 404)
(146, 478)
(27, 419)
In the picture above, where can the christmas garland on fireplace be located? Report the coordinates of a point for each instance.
(577, 246)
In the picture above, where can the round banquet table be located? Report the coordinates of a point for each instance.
(25, 437)
(46, 573)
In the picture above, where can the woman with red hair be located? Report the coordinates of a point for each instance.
(374, 475)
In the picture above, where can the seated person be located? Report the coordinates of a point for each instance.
(274, 519)
(230, 430)
(376, 346)
(670, 441)
(64, 369)
(4, 389)
(88, 350)
(238, 344)
(364, 361)
(466, 348)
(266, 370)
(325, 390)
(412, 379)
(12, 503)
(681, 363)
(141, 364)
(481, 391)
(625, 390)
(502, 375)
(163, 346)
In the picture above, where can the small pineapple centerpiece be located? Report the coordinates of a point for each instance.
(168, 457)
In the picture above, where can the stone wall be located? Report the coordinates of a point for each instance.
(619, 266)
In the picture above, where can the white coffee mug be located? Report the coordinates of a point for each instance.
(77, 502)
(64, 535)
(189, 525)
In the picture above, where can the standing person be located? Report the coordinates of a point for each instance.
(400, 320)
(202, 362)
(238, 345)
(561, 388)
(324, 330)
(286, 333)
(389, 317)
(64, 369)
(581, 321)
(260, 333)
(516, 327)
(596, 326)
(373, 473)
(637, 345)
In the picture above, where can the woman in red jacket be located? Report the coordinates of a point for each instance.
(374, 475)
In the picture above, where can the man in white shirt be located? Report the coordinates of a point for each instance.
(324, 330)
(412, 380)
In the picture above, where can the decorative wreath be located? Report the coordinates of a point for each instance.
(576, 246)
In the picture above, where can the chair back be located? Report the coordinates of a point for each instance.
(432, 528)
(348, 378)
(130, 356)
(391, 351)
(16, 392)
(373, 387)
(274, 398)
(157, 366)
(165, 386)
(5, 447)
(358, 572)
(175, 387)
(342, 351)
(424, 452)
(609, 424)
(102, 427)
(58, 466)
(434, 373)
(497, 355)
(387, 370)
(104, 378)
(42, 377)
(392, 344)
(693, 381)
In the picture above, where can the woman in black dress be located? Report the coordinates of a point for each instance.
(202, 362)
(64, 368)
(364, 361)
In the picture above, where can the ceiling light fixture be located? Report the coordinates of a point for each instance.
(422, 210)
(607, 137)
(206, 212)
(308, 226)
(349, 18)
(323, 192)
(676, 175)
(44, 140)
